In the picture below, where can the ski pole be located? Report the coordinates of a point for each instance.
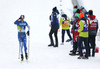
(19, 52)
(28, 45)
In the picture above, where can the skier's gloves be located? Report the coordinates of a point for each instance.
(20, 18)
(28, 33)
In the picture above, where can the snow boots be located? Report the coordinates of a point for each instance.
(22, 58)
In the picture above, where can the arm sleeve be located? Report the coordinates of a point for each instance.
(97, 27)
(49, 17)
(16, 22)
(60, 22)
(69, 21)
(54, 19)
(28, 27)
(57, 11)
(81, 26)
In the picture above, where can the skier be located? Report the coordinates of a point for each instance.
(93, 28)
(75, 26)
(74, 12)
(65, 22)
(54, 27)
(83, 36)
(75, 34)
(21, 26)
(84, 11)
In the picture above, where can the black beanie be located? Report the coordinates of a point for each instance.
(55, 8)
(78, 11)
(65, 16)
(75, 6)
(90, 12)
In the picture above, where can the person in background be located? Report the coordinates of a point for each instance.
(65, 22)
(54, 27)
(74, 12)
(75, 34)
(84, 11)
(93, 28)
(83, 36)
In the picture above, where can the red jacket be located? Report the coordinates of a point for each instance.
(93, 24)
(75, 30)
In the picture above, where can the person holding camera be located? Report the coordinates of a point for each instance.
(21, 26)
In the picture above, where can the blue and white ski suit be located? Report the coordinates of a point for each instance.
(21, 26)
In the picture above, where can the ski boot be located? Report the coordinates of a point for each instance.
(26, 56)
(80, 57)
(72, 54)
(50, 45)
(62, 43)
(85, 57)
(22, 58)
(68, 40)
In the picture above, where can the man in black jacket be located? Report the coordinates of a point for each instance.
(54, 27)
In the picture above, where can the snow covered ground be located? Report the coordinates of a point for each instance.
(41, 56)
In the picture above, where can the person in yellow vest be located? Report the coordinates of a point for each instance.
(65, 22)
(83, 36)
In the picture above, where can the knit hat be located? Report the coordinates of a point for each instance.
(90, 12)
(84, 11)
(75, 6)
(54, 9)
(81, 7)
(76, 15)
(78, 11)
(65, 16)
(74, 10)
(22, 16)
(81, 15)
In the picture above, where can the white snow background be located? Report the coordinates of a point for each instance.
(41, 56)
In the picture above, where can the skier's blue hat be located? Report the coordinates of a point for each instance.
(22, 16)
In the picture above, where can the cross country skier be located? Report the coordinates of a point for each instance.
(21, 26)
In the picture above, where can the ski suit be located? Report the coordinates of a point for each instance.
(21, 26)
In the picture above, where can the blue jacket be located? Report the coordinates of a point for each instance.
(54, 20)
(21, 26)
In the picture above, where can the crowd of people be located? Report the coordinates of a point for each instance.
(84, 30)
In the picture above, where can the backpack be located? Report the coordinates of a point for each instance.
(66, 23)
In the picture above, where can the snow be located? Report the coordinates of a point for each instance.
(41, 56)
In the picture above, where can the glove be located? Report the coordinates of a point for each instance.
(20, 18)
(28, 33)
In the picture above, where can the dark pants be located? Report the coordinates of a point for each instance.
(80, 46)
(68, 33)
(91, 44)
(55, 31)
(74, 47)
